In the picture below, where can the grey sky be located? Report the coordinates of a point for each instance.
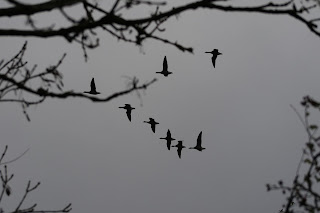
(90, 155)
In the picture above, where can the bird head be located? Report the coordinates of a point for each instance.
(217, 52)
(151, 120)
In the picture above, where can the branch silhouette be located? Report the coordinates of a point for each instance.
(137, 30)
(13, 160)
(304, 190)
(6, 177)
(17, 84)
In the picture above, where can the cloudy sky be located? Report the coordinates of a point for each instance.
(89, 154)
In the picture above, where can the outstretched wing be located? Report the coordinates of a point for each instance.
(165, 63)
(93, 85)
(199, 139)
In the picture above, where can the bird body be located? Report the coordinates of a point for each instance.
(180, 147)
(215, 54)
(128, 109)
(169, 139)
(7, 189)
(165, 71)
(153, 124)
(93, 90)
(199, 141)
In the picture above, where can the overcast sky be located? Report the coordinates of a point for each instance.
(89, 154)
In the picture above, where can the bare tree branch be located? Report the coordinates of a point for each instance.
(17, 84)
(139, 29)
(6, 190)
(28, 9)
(304, 189)
(15, 159)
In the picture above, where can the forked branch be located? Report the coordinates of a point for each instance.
(17, 84)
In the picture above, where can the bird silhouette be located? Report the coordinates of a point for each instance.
(7, 189)
(169, 139)
(199, 141)
(165, 71)
(128, 109)
(180, 147)
(93, 90)
(215, 54)
(153, 124)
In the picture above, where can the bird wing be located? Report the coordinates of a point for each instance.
(165, 63)
(8, 190)
(199, 139)
(93, 85)
(129, 114)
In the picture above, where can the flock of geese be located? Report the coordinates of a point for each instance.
(165, 72)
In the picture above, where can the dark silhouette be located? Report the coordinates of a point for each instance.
(215, 54)
(180, 147)
(165, 71)
(153, 124)
(199, 141)
(303, 190)
(281, 210)
(82, 30)
(17, 81)
(128, 109)
(6, 179)
(7, 190)
(93, 90)
(169, 139)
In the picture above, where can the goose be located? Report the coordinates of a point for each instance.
(169, 139)
(128, 109)
(180, 147)
(153, 124)
(199, 141)
(93, 90)
(215, 54)
(165, 71)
